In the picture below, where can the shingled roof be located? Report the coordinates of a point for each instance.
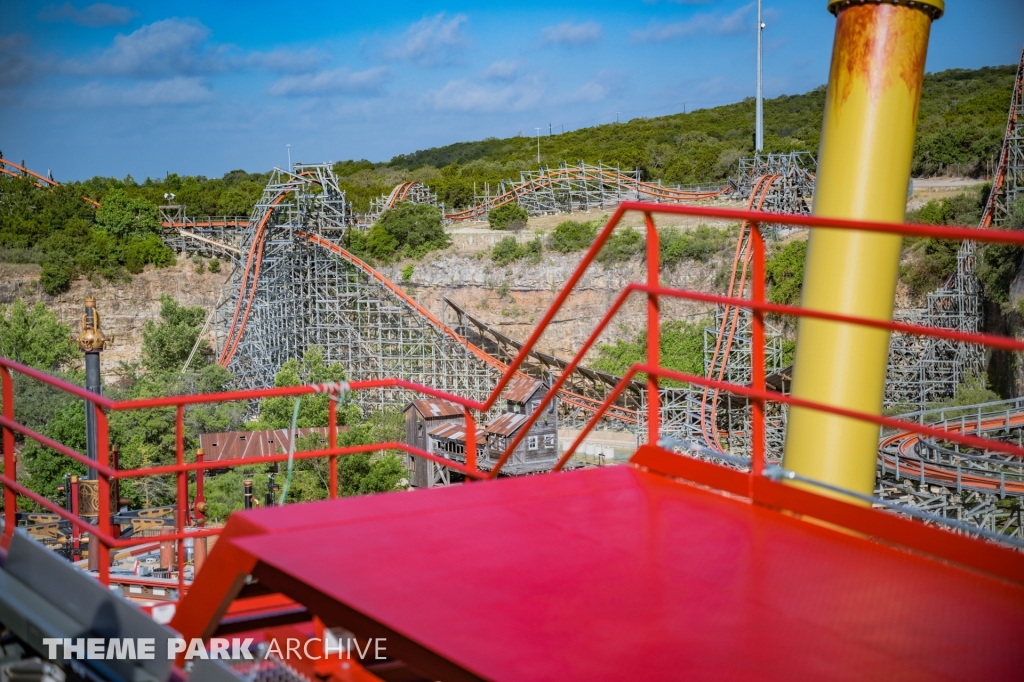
(433, 408)
(520, 389)
(455, 432)
(506, 423)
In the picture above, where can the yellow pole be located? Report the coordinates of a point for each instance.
(867, 141)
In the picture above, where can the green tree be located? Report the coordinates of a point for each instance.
(35, 337)
(407, 229)
(276, 413)
(167, 344)
(125, 216)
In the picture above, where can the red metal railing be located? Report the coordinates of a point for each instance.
(752, 484)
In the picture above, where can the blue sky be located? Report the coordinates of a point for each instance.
(205, 87)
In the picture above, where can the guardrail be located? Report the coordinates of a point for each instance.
(761, 485)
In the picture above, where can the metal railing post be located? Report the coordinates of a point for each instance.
(182, 476)
(96, 544)
(653, 332)
(332, 443)
(10, 467)
(757, 370)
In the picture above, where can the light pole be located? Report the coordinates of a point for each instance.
(289, 157)
(759, 140)
(538, 146)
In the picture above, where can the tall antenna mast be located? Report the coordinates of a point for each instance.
(759, 139)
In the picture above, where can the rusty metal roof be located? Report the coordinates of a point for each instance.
(520, 389)
(457, 432)
(229, 445)
(434, 408)
(506, 423)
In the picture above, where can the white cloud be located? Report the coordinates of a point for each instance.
(16, 66)
(338, 81)
(432, 41)
(164, 48)
(571, 34)
(467, 96)
(736, 22)
(503, 70)
(99, 14)
(285, 60)
(172, 91)
(598, 88)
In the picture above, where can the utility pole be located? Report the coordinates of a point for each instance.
(616, 116)
(289, 157)
(759, 139)
(538, 145)
(549, 130)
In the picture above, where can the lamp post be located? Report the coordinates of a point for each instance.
(538, 145)
(289, 157)
(91, 341)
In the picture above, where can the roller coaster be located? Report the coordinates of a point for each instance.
(712, 558)
(294, 286)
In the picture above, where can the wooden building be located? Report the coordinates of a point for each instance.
(422, 417)
(538, 451)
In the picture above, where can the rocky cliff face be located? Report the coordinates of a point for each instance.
(513, 298)
(124, 306)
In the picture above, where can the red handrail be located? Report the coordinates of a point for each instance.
(653, 292)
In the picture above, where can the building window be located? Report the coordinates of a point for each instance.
(531, 443)
(549, 441)
(536, 405)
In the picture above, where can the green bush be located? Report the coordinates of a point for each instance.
(621, 246)
(215, 265)
(510, 216)
(406, 230)
(784, 272)
(698, 245)
(407, 272)
(682, 349)
(927, 263)
(508, 250)
(571, 235)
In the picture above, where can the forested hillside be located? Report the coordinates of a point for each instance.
(961, 121)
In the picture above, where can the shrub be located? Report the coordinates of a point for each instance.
(698, 245)
(215, 265)
(408, 229)
(784, 272)
(571, 235)
(682, 349)
(510, 216)
(927, 263)
(621, 246)
(407, 272)
(509, 250)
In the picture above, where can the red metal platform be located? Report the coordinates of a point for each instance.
(606, 574)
